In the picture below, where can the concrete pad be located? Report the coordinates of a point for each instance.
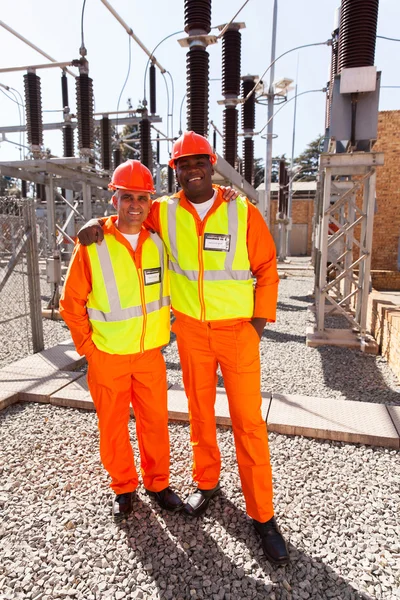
(394, 412)
(178, 405)
(75, 395)
(7, 398)
(340, 420)
(40, 390)
(344, 338)
(63, 357)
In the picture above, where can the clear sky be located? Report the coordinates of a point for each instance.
(55, 27)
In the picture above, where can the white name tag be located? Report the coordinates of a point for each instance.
(217, 242)
(152, 276)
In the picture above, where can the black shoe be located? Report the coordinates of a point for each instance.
(197, 503)
(122, 506)
(167, 499)
(272, 541)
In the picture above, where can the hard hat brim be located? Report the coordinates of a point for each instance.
(213, 158)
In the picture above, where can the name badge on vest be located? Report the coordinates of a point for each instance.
(218, 242)
(152, 276)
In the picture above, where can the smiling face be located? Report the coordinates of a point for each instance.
(132, 208)
(194, 174)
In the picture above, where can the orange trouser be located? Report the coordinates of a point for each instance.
(115, 382)
(235, 347)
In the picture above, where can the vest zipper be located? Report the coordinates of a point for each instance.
(201, 275)
(142, 298)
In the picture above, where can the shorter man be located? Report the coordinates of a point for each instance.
(116, 304)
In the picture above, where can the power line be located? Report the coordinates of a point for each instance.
(151, 58)
(126, 78)
(388, 38)
(231, 21)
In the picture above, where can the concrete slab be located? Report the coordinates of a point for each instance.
(394, 412)
(178, 405)
(59, 358)
(344, 338)
(7, 398)
(75, 395)
(40, 390)
(340, 420)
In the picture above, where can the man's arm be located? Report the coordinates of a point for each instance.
(73, 301)
(262, 255)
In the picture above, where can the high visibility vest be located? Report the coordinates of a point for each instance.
(128, 308)
(210, 273)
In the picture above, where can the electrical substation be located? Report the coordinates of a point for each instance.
(66, 191)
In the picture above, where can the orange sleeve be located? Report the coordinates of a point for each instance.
(262, 255)
(153, 219)
(78, 284)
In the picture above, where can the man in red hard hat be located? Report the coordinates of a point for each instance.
(216, 249)
(116, 304)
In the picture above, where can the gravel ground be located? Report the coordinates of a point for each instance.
(336, 504)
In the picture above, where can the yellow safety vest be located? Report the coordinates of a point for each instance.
(128, 308)
(210, 274)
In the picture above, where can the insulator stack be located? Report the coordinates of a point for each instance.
(197, 68)
(116, 157)
(283, 189)
(197, 23)
(170, 182)
(197, 16)
(231, 55)
(214, 140)
(248, 125)
(248, 159)
(249, 107)
(64, 90)
(84, 103)
(145, 144)
(41, 192)
(24, 188)
(33, 104)
(152, 76)
(230, 134)
(68, 140)
(105, 130)
(357, 35)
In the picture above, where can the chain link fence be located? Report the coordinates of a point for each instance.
(18, 270)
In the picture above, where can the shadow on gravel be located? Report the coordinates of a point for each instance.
(355, 375)
(290, 307)
(192, 559)
(281, 337)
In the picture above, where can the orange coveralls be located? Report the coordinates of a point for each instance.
(234, 345)
(116, 381)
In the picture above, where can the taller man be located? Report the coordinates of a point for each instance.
(216, 249)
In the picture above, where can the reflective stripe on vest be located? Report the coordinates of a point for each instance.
(117, 313)
(208, 283)
(128, 308)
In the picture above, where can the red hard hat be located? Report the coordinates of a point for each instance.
(189, 144)
(132, 175)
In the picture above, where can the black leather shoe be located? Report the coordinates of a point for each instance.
(272, 541)
(167, 499)
(122, 506)
(197, 503)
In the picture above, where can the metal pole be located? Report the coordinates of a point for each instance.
(268, 156)
(87, 201)
(323, 246)
(290, 199)
(366, 248)
(32, 263)
(51, 215)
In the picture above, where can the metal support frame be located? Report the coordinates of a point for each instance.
(345, 284)
(32, 260)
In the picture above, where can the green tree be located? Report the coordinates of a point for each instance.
(308, 160)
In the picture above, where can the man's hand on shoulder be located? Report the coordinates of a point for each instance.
(90, 233)
(228, 193)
